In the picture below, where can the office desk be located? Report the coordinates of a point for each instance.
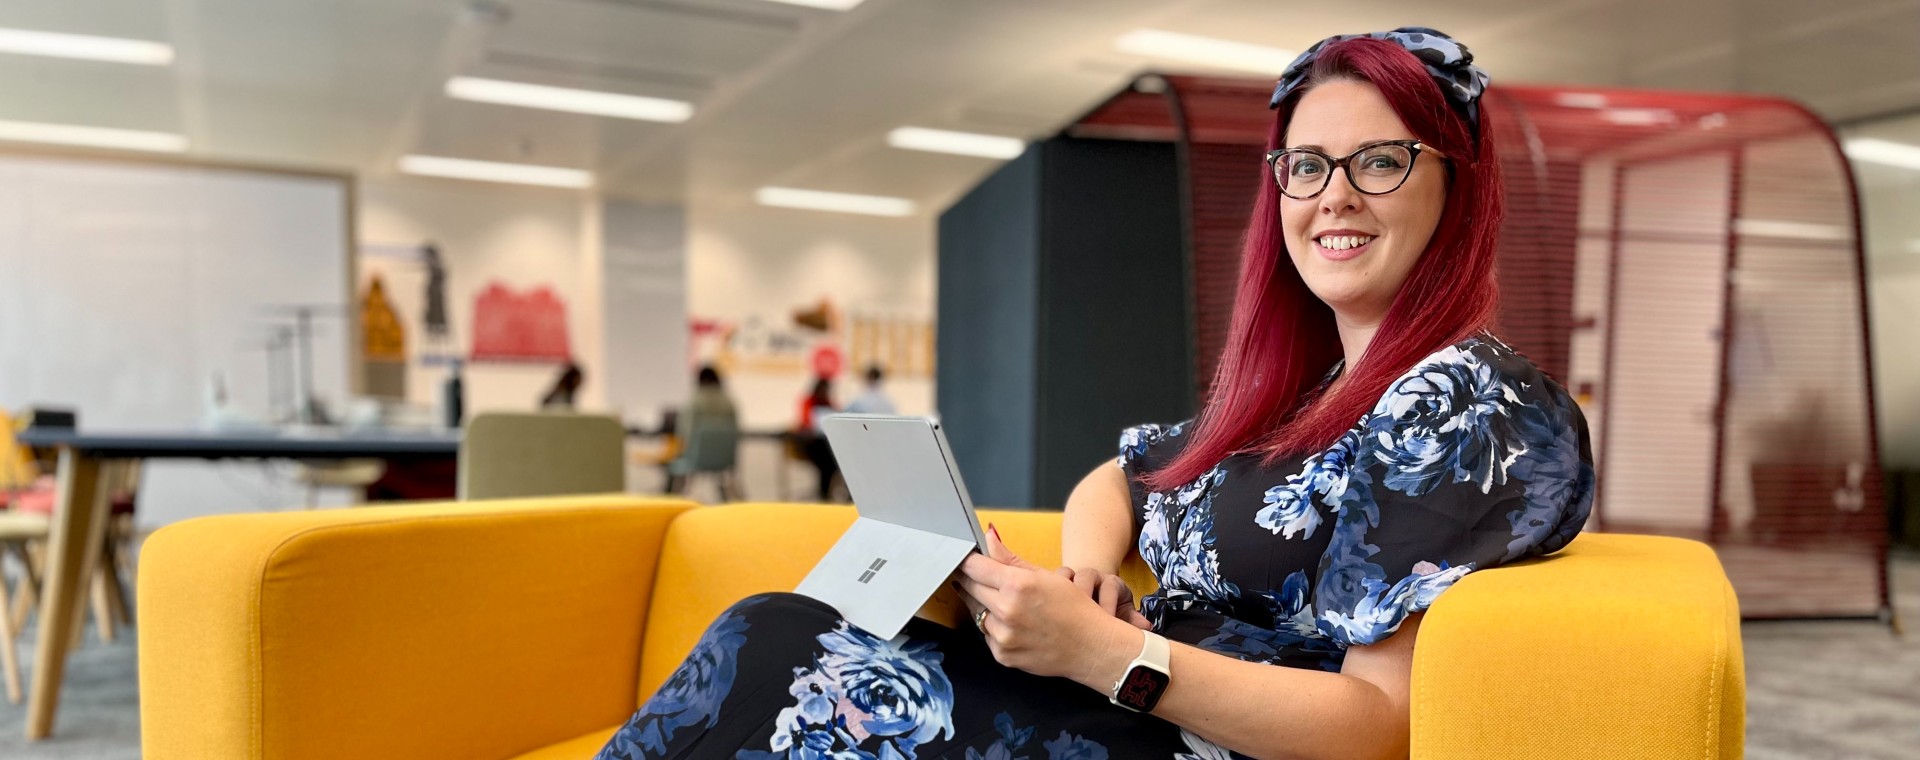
(80, 513)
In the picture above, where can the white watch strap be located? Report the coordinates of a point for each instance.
(1156, 651)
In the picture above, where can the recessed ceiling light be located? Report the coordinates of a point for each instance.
(1883, 152)
(96, 137)
(1208, 51)
(83, 46)
(568, 99)
(832, 5)
(819, 200)
(492, 171)
(963, 143)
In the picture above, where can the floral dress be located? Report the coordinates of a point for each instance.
(1472, 459)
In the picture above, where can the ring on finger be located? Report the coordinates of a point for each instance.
(980, 620)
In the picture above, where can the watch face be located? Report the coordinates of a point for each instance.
(1142, 688)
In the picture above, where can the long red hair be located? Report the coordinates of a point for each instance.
(1282, 340)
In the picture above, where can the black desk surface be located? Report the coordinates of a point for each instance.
(249, 444)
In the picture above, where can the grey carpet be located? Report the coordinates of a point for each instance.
(1815, 690)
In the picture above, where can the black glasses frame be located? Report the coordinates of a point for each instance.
(1414, 147)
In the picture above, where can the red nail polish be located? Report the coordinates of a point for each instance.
(995, 532)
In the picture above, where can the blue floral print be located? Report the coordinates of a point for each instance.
(1465, 419)
(1177, 543)
(1447, 421)
(1201, 749)
(692, 695)
(1070, 747)
(1011, 740)
(1381, 608)
(1292, 629)
(1135, 441)
(863, 688)
(1556, 476)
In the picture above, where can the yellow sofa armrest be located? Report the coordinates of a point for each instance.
(1617, 646)
(483, 629)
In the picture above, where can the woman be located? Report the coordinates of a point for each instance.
(1283, 532)
(812, 442)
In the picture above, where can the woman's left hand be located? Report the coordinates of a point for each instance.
(1040, 622)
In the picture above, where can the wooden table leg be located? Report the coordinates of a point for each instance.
(73, 549)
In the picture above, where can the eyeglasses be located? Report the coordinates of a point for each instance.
(1377, 169)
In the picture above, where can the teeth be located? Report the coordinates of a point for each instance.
(1343, 242)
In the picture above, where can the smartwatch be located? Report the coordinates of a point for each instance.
(1146, 678)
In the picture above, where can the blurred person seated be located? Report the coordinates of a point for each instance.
(874, 399)
(712, 407)
(560, 397)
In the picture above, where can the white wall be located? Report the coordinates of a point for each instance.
(124, 287)
(752, 262)
(1891, 206)
(1890, 214)
(486, 233)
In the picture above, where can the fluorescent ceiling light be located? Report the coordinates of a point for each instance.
(1209, 51)
(96, 137)
(1581, 100)
(490, 171)
(963, 143)
(568, 99)
(88, 47)
(1883, 152)
(1638, 117)
(832, 5)
(817, 200)
(1777, 228)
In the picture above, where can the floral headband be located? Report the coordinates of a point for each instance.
(1447, 60)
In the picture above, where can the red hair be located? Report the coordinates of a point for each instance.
(1283, 340)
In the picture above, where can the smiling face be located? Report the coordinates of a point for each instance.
(1354, 250)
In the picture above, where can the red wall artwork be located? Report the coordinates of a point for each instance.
(519, 327)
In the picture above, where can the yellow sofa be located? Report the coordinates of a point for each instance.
(531, 629)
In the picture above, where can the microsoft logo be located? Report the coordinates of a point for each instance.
(871, 569)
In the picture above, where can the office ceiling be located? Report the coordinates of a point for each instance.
(804, 97)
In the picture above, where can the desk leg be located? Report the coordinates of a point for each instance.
(73, 549)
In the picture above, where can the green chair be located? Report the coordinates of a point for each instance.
(713, 449)
(510, 456)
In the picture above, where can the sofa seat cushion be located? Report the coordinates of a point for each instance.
(579, 748)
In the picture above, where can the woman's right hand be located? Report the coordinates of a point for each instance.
(1108, 591)
(1105, 589)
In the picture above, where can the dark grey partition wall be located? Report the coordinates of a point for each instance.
(1063, 315)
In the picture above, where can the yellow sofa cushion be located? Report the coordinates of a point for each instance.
(579, 748)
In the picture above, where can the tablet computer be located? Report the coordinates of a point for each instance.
(915, 525)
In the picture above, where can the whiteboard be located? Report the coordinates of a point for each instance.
(124, 287)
